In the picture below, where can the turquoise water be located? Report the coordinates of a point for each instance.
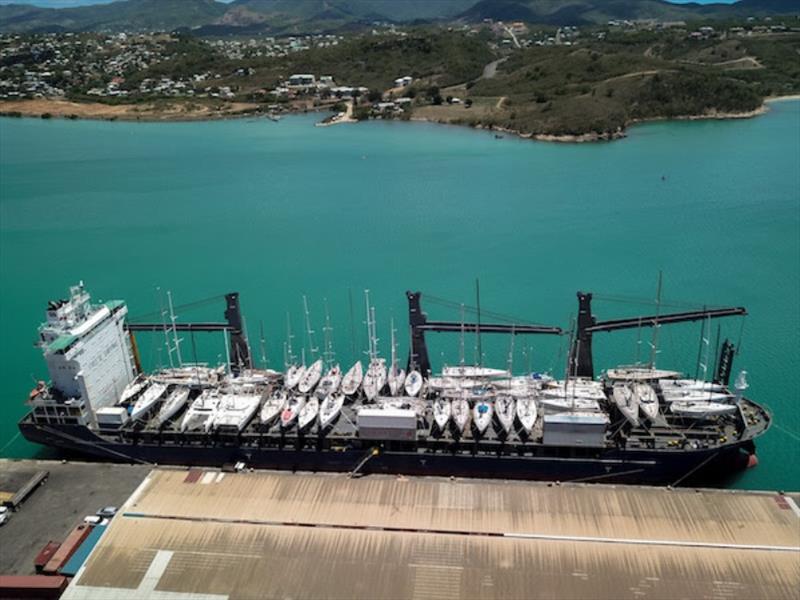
(278, 210)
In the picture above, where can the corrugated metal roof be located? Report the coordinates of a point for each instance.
(272, 535)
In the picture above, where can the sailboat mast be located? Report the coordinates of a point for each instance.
(329, 356)
(369, 328)
(174, 330)
(654, 342)
(394, 348)
(311, 346)
(290, 357)
(263, 344)
(478, 328)
(461, 354)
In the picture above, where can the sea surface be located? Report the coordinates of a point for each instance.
(276, 211)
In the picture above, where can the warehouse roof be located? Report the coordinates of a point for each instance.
(264, 534)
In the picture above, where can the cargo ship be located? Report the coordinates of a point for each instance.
(635, 424)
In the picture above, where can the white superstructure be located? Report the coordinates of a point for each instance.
(88, 357)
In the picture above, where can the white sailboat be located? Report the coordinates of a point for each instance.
(148, 400)
(311, 377)
(201, 412)
(682, 395)
(459, 409)
(504, 410)
(442, 411)
(702, 410)
(273, 406)
(668, 385)
(647, 399)
(294, 371)
(292, 410)
(352, 379)
(308, 414)
(293, 376)
(234, 411)
(638, 373)
(527, 413)
(482, 415)
(173, 404)
(474, 372)
(133, 388)
(330, 409)
(627, 403)
(329, 384)
(397, 376)
(413, 383)
(375, 377)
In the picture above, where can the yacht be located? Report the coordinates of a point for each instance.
(173, 404)
(148, 400)
(311, 377)
(352, 379)
(234, 411)
(329, 410)
(273, 406)
(201, 412)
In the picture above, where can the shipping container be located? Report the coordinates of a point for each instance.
(32, 586)
(45, 554)
(578, 429)
(112, 416)
(387, 424)
(79, 557)
(68, 547)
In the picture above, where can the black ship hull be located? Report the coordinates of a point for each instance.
(701, 466)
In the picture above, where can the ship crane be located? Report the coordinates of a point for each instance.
(418, 320)
(581, 364)
(233, 329)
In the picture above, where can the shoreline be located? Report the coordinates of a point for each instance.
(147, 113)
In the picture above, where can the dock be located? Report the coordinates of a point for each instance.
(194, 533)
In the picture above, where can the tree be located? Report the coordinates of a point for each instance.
(375, 96)
(437, 100)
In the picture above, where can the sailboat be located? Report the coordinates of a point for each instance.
(442, 411)
(694, 385)
(173, 404)
(413, 383)
(333, 378)
(504, 410)
(201, 412)
(148, 400)
(291, 411)
(308, 414)
(702, 410)
(330, 409)
(133, 388)
(234, 411)
(311, 377)
(273, 406)
(352, 379)
(627, 402)
(459, 409)
(294, 372)
(526, 413)
(375, 377)
(647, 399)
(482, 415)
(397, 376)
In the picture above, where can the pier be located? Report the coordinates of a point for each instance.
(212, 534)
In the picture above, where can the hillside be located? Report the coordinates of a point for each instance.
(306, 16)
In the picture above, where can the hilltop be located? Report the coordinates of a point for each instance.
(313, 16)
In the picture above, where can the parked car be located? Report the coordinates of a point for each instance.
(107, 512)
(92, 519)
(5, 515)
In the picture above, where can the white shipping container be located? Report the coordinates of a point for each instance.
(112, 415)
(387, 423)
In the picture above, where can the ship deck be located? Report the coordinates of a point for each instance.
(207, 534)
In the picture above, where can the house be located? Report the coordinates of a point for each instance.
(302, 80)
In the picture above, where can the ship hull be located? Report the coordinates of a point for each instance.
(712, 466)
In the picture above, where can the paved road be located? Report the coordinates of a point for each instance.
(490, 70)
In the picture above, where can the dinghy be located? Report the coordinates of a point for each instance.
(329, 410)
(311, 377)
(441, 412)
(647, 399)
(504, 410)
(308, 414)
(352, 379)
(148, 400)
(627, 403)
(330, 383)
(526, 413)
(482, 415)
(273, 406)
(173, 404)
(413, 383)
(291, 411)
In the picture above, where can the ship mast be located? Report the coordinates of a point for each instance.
(329, 354)
(312, 347)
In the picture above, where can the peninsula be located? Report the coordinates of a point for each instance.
(564, 83)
